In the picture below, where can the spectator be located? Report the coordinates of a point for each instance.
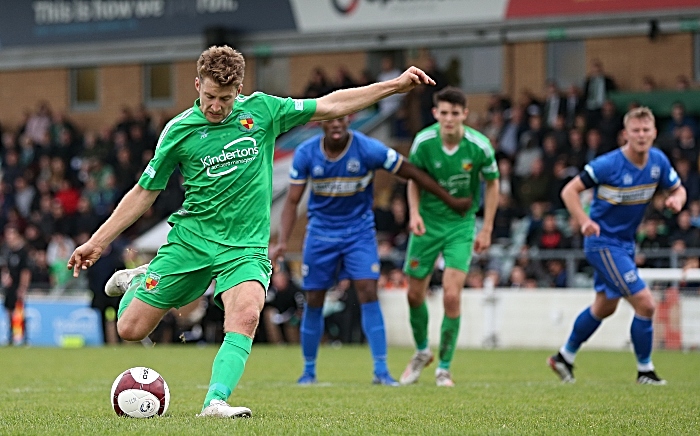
(689, 178)
(650, 242)
(534, 187)
(509, 141)
(685, 231)
(389, 105)
(609, 126)
(686, 147)
(680, 118)
(284, 305)
(597, 88)
(576, 151)
(318, 84)
(575, 105)
(554, 104)
(57, 254)
(14, 270)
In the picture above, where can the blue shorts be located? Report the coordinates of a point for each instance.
(329, 258)
(615, 271)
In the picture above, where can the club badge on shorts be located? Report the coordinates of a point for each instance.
(151, 283)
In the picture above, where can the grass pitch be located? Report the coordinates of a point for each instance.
(66, 391)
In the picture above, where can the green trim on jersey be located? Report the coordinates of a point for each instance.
(458, 170)
(226, 166)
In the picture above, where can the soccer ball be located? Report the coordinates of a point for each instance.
(140, 392)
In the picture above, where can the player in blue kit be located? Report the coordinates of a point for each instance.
(624, 181)
(340, 236)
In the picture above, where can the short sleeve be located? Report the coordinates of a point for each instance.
(299, 171)
(378, 155)
(600, 169)
(669, 176)
(489, 170)
(157, 173)
(293, 112)
(417, 156)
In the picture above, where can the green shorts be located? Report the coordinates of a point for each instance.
(454, 240)
(185, 266)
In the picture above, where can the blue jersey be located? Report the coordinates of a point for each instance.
(622, 193)
(341, 196)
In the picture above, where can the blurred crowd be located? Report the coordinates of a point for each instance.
(58, 184)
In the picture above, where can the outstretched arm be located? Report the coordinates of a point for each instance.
(422, 179)
(288, 219)
(134, 204)
(571, 196)
(347, 101)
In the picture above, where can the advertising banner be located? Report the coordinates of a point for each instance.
(26, 23)
(56, 323)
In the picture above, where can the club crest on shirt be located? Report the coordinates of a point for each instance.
(317, 171)
(467, 165)
(353, 165)
(627, 179)
(151, 282)
(655, 172)
(246, 122)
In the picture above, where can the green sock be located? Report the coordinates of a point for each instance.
(448, 340)
(129, 294)
(419, 325)
(228, 366)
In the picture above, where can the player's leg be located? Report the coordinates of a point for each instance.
(319, 267)
(242, 278)
(642, 333)
(458, 256)
(361, 264)
(420, 261)
(310, 333)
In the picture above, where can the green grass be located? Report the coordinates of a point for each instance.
(66, 391)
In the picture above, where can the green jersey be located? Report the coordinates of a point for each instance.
(226, 166)
(457, 170)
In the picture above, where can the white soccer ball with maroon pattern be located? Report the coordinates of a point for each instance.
(140, 392)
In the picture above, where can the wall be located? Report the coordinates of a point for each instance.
(531, 319)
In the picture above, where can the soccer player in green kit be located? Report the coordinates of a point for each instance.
(456, 156)
(224, 147)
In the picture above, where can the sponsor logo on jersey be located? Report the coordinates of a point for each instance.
(246, 122)
(203, 133)
(632, 195)
(341, 186)
(353, 165)
(467, 165)
(298, 105)
(230, 158)
(151, 283)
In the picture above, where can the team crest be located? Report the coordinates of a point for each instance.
(246, 122)
(467, 165)
(353, 166)
(655, 172)
(151, 282)
(627, 179)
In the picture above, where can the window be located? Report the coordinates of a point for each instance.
(566, 62)
(158, 85)
(272, 75)
(84, 88)
(479, 68)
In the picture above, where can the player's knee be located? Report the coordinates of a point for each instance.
(646, 308)
(130, 331)
(243, 321)
(451, 300)
(415, 299)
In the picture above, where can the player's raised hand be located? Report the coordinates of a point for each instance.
(84, 257)
(411, 78)
(590, 228)
(416, 225)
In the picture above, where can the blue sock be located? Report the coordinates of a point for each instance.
(584, 326)
(373, 327)
(642, 332)
(311, 332)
